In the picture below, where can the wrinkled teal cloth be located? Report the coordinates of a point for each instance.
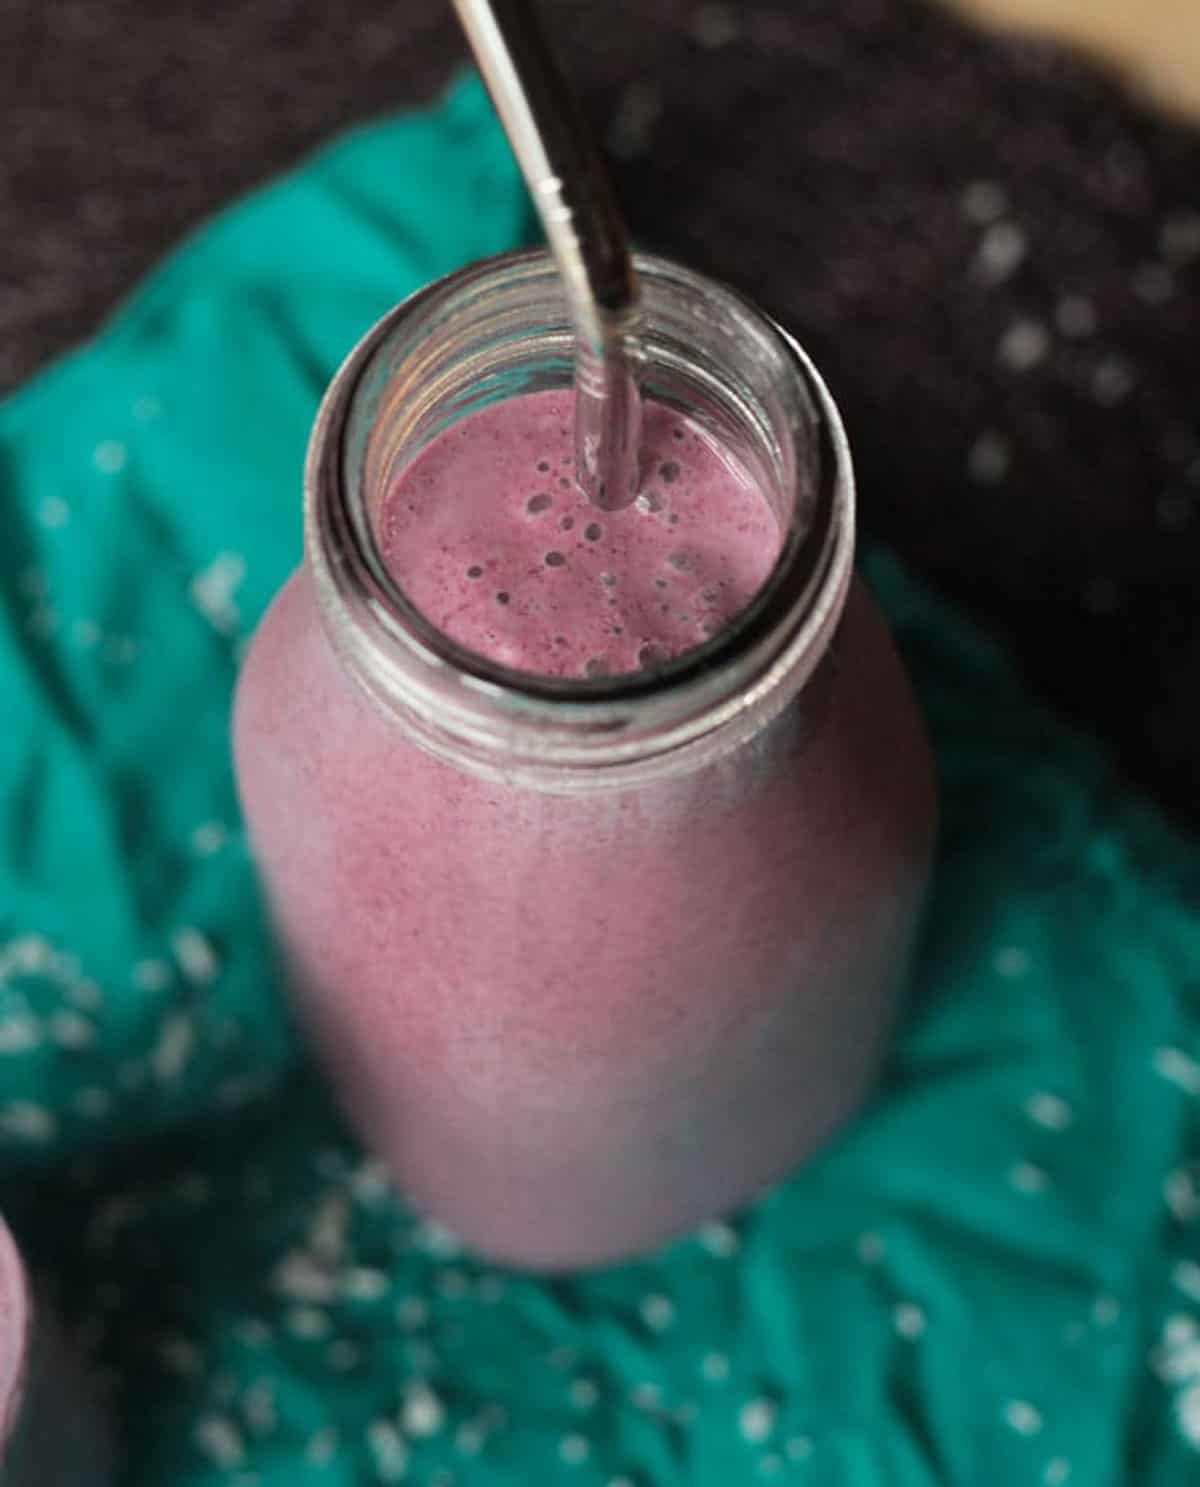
(992, 1278)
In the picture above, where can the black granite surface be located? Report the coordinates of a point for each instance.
(993, 254)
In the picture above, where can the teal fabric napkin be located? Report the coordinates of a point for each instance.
(992, 1278)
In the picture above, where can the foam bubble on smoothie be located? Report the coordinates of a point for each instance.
(538, 580)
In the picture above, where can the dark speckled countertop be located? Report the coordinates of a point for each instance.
(992, 253)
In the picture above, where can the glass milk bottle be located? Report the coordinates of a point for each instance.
(587, 958)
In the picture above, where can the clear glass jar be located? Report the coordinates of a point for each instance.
(588, 960)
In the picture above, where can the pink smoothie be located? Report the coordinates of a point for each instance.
(575, 1023)
(492, 540)
(15, 1320)
(51, 1434)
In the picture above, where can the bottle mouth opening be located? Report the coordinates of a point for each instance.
(499, 329)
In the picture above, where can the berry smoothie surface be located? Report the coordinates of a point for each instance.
(490, 538)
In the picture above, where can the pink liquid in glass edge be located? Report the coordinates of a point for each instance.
(15, 1319)
(51, 1432)
(576, 1025)
(534, 577)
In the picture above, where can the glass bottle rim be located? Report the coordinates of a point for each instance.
(572, 734)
